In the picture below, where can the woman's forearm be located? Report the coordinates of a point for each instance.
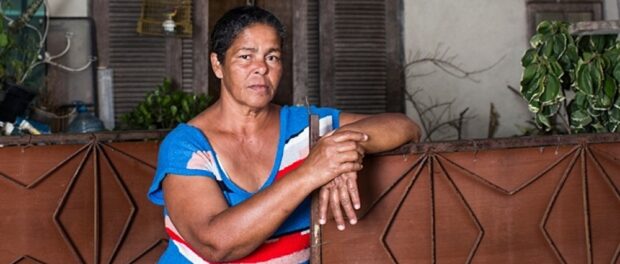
(256, 219)
(385, 131)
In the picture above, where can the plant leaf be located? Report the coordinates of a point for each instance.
(596, 70)
(543, 121)
(547, 48)
(584, 79)
(551, 90)
(572, 53)
(610, 89)
(555, 68)
(536, 40)
(587, 56)
(616, 72)
(599, 128)
(544, 27)
(528, 74)
(533, 90)
(559, 45)
(4, 40)
(580, 119)
(529, 57)
(551, 109)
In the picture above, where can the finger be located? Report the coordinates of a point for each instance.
(335, 206)
(348, 156)
(345, 202)
(360, 149)
(349, 135)
(348, 167)
(353, 190)
(323, 203)
(347, 146)
(361, 153)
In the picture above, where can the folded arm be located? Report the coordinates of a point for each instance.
(385, 132)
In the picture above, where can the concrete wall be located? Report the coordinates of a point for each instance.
(477, 34)
(68, 8)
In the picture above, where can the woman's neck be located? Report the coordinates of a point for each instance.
(242, 120)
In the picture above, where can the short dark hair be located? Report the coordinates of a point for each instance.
(236, 20)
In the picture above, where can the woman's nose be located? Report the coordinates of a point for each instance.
(260, 67)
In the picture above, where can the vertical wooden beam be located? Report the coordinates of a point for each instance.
(102, 22)
(395, 77)
(327, 11)
(299, 36)
(174, 64)
(315, 226)
(200, 40)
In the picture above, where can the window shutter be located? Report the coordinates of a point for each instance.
(139, 62)
(313, 71)
(187, 65)
(360, 55)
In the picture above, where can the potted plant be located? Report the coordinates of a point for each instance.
(164, 108)
(21, 43)
(572, 81)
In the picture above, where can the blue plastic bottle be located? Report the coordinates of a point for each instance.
(85, 121)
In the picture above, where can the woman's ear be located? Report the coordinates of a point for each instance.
(217, 67)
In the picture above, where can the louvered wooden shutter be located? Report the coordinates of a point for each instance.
(187, 65)
(139, 62)
(313, 69)
(360, 55)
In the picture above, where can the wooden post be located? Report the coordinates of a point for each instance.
(315, 227)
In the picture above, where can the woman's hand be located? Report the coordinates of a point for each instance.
(334, 154)
(339, 193)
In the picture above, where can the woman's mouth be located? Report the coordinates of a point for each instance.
(258, 87)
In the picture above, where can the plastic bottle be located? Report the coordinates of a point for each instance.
(85, 121)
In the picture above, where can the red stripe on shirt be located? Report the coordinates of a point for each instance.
(283, 246)
(174, 236)
(289, 168)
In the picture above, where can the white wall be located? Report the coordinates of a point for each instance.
(478, 33)
(68, 8)
(611, 9)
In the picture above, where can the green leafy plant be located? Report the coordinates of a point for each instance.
(21, 43)
(164, 108)
(573, 79)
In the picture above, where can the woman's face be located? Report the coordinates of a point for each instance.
(252, 68)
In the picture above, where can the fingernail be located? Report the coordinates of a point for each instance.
(357, 206)
(322, 221)
(365, 137)
(340, 227)
(353, 221)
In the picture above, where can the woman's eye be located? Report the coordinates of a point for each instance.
(273, 58)
(245, 57)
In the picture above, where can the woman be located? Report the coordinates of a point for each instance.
(235, 180)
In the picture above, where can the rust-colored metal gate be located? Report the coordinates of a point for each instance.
(82, 199)
(526, 200)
